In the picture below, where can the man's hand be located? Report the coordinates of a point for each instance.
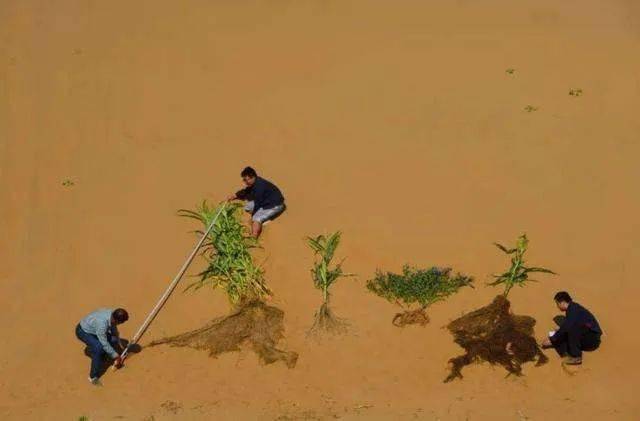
(546, 342)
(230, 198)
(117, 362)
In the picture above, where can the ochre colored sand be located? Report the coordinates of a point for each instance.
(393, 121)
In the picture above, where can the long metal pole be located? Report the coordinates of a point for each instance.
(163, 299)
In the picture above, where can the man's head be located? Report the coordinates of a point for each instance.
(562, 299)
(119, 316)
(249, 176)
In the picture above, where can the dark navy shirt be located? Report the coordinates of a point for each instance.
(264, 194)
(577, 316)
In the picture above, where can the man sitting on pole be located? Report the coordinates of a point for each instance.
(99, 332)
(264, 199)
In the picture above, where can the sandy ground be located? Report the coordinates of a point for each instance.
(394, 121)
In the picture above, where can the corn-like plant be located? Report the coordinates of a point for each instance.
(227, 250)
(518, 273)
(416, 286)
(324, 274)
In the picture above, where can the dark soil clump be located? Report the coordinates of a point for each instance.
(255, 324)
(495, 335)
(411, 317)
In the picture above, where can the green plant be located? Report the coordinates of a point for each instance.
(518, 273)
(83, 418)
(227, 250)
(530, 108)
(416, 286)
(510, 71)
(324, 274)
(575, 92)
(68, 183)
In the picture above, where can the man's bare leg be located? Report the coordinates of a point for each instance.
(256, 229)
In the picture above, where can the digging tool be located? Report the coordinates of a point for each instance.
(172, 286)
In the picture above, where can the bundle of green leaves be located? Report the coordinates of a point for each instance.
(421, 286)
(518, 273)
(231, 266)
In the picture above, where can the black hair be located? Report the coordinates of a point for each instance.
(562, 296)
(120, 315)
(249, 172)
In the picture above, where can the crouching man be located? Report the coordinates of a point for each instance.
(579, 331)
(264, 199)
(99, 332)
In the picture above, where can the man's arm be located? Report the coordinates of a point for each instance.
(567, 324)
(240, 194)
(101, 333)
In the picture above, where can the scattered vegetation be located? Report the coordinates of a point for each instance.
(575, 92)
(416, 286)
(518, 273)
(495, 335)
(530, 108)
(510, 71)
(227, 250)
(324, 274)
(68, 183)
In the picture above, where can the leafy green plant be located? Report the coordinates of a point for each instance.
(518, 273)
(227, 250)
(510, 71)
(416, 286)
(324, 274)
(575, 92)
(68, 183)
(530, 108)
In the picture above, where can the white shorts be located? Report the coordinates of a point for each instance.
(263, 215)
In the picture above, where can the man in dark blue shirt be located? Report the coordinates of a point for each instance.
(580, 331)
(264, 199)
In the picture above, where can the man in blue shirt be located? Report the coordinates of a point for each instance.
(264, 200)
(579, 331)
(98, 330)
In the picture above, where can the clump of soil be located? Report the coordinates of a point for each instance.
(411, 317)
(495, 335)
(254, 324)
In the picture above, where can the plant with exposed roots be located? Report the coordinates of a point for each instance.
(227, 251)
(518, 273)
(324, 275)
(416, 286)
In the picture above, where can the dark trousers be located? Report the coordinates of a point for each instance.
(576, 340)
(95, 349)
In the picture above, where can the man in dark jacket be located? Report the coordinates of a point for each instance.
(580, 331)
(264, 199)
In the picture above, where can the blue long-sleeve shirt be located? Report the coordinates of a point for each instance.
(577, 316)
(99, 323)
(264, 194)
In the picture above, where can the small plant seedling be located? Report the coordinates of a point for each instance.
(324, 274)
(575, 92)
(510, 71)
(530, 108)
(518, 273)
(68, 183)
(416, 286)
(83, 418)
(227, 251)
